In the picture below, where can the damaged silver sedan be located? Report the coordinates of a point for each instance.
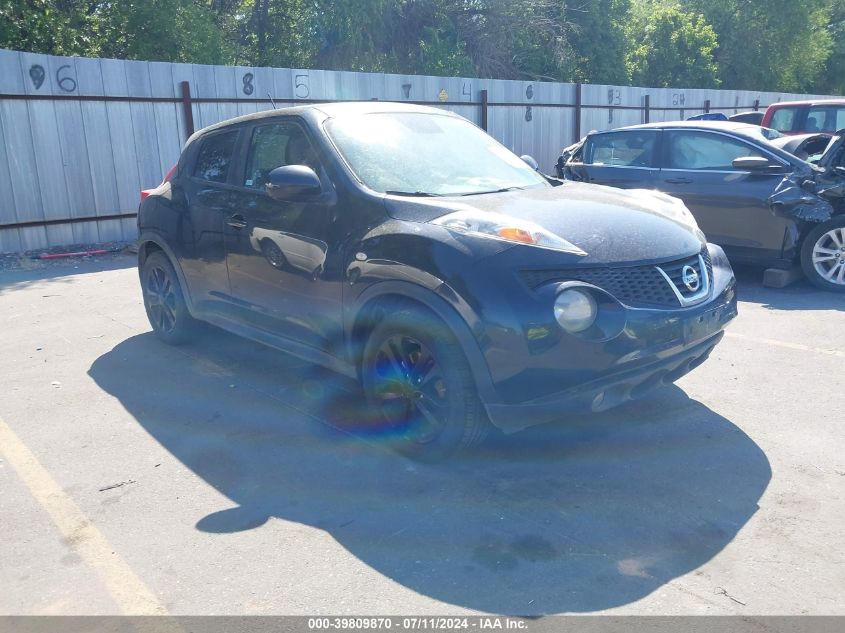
(761, 203)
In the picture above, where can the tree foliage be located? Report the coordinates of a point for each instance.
(742, 44)
(597, 40)
(769, 45)
(832, 80)
(169, 30)
(668, 46)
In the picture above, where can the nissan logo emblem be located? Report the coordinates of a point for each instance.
(690, 278)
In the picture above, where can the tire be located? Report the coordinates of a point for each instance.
(273, 254)
(419, 383)
(823, 255)
(164, 301)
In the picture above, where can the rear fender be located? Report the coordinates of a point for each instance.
(147, 238)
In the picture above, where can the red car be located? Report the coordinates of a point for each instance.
(806, 117)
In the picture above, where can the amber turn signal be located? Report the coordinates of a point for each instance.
(517, 235)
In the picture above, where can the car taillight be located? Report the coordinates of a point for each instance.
(168, 176)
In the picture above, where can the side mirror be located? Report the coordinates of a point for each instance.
(752, 163)
(293, 182)
(529, 160)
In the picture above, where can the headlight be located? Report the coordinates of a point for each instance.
(575, 310)
(503, 227)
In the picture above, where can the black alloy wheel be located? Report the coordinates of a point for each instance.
(164, 302)
(410, 388)
(420, 386)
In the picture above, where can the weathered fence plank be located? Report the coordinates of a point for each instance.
(81, 137)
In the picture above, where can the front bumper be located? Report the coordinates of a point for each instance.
(656, 347)
(602, 394)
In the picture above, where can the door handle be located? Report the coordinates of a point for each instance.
(678, 181)
(237, 221)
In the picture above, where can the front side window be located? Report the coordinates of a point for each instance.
(783, 119)
(215, 156)
(277, 145)
(417, 153)
(621, 149)
(703, 150)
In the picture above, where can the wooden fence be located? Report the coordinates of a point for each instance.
(80, 137)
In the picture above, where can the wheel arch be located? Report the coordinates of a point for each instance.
(382, 298)
(150, 243)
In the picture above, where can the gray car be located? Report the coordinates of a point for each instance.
(760, 203)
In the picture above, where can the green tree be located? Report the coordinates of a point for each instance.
(487, 38)
(161, 30)
(47, 26)
(275, 33)
(597, 41)
(670, 47)
(768, 45)
(832, 80)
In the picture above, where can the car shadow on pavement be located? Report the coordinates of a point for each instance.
(592, 513)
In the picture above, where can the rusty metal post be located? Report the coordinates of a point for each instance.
(647, 109)
(484, 110)
(187, 109)
(576, 123)
(756, 105)
(707, 106)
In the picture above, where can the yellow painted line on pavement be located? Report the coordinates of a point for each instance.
(786, 345)
(131, 594)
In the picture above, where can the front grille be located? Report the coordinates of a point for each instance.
(675, 271)
(632, 285)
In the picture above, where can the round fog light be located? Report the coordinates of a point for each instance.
(575, 310)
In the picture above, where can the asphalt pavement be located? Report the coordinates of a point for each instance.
(226, 478)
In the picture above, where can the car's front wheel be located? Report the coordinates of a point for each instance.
(823, 255)
(419, 383)
(164, 301)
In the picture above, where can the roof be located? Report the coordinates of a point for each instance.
(333, 109)
(725, 126)
(809, 102)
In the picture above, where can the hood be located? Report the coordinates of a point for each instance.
(610, 225)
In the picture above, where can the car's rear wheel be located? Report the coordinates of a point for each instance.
(421, 387)
(164, 301)
(823, 255)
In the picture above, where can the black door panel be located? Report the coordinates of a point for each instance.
(282, 256)
(208, 197)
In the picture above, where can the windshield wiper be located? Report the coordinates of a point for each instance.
(502, 190)
(417, 194)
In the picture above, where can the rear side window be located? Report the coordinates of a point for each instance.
(703, 150)
(215, 156)
(621, 149)
(783, 119)
(825, 119)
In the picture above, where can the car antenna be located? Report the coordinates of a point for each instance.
(271, 101)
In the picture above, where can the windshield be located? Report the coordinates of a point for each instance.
(422, 154)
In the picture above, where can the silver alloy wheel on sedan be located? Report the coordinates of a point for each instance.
(829, 256)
